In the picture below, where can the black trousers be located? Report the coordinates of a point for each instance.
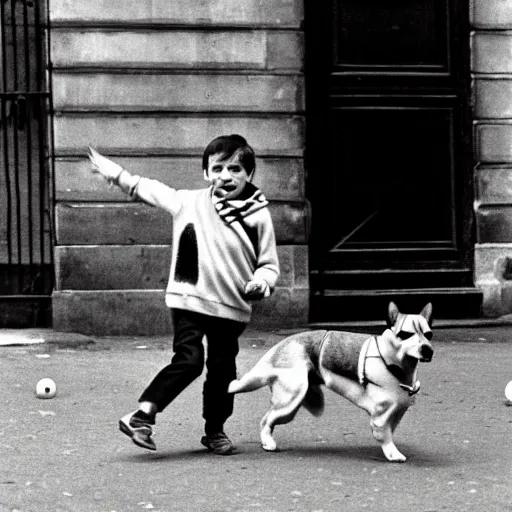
(188, 362)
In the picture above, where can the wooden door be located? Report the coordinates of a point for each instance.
(389, 145)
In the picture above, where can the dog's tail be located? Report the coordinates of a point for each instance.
(314, 400)
(248, 382)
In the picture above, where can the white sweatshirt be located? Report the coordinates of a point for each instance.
(212, 260)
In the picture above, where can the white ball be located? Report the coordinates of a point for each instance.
(46, 388)
(508, 391)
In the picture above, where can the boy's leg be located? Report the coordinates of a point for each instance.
(186, 365)
(222, 346)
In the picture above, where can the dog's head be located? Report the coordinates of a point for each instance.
(411, 333)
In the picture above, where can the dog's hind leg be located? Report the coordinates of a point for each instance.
(288, 392)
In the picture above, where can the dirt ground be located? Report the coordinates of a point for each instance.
(67, 454)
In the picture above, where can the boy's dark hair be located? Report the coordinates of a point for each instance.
(227, 146)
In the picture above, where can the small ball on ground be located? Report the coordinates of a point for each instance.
(508, 391)
(46, 388)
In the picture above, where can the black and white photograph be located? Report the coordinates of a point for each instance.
(256, 255)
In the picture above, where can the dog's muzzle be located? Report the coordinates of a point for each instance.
(426, 353)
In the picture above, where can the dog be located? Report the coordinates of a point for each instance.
(376, 373)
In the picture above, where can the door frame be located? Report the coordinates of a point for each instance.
(319, 41)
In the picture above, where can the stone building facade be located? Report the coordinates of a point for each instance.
(491, 65)
(151, 82)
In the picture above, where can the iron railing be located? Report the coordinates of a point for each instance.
(26, 259)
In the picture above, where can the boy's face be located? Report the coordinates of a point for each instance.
(228, 176)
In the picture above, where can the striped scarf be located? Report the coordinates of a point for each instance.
(249, 201)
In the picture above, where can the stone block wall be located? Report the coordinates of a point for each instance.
(150, 83)
(492, 98)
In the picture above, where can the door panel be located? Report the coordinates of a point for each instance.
(388, 142)
(406, 34)
(392, 176)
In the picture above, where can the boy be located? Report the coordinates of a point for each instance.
(223, 256)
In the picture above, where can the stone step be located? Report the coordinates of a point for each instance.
(273, 134)
(491, 52)
(205, 92)
(492, 140)
(125, 267)
(198, 12)
(177, 49)
(112, 267)
(114, 313)
(406, 278)
(494, 184)
(491, 14)
(352, 305)
(138, 223)
(280, 179)
(493, 97)
(143, 312)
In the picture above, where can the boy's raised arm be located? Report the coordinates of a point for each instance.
(152, 192)
(104, 166)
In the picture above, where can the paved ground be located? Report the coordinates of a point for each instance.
(66, 454)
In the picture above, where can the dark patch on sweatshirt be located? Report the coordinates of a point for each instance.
(187, 264)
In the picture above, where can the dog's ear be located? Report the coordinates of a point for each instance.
(426, 313)
(392, 314)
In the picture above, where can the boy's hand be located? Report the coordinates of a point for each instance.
(104, 166)
(256, 290)
(217, 188)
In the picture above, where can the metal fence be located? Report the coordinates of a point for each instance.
(26, 265)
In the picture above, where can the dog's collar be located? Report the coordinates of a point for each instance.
(394, 369)
(412, 390)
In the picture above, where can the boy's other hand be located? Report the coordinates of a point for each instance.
(104, 166)
(256, 290)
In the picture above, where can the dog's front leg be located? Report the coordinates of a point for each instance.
(348, 388)
(383, 422)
